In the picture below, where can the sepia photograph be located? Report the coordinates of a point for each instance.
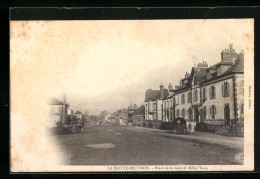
(132, 95)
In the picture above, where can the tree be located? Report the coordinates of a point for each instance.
(86, 114)
(102, 115)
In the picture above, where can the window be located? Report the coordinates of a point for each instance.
(177, 99)
(204, 94)
(183, 112)
(195, 80)
(154, 106)
(182, 99)
(204, 113)
(212, 112)
(212, 92)
(242, 109)
(189, 97)
(167, 104)
(178, 113)
(195, 95)
(225, 89)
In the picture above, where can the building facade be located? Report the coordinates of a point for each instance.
(154, 106)
(138, 116)
(168, 106)
(214, 94)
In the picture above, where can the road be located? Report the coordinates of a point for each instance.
(120, 145)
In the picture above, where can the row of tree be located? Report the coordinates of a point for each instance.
(98, 117)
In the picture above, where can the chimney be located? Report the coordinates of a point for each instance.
(161, 91)
(202, 65)
(187, 74)
(170, 86)
(229, 55)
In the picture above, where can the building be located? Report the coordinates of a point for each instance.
(57, 111)
(131, 109)
(187, 94)
(168, 106)
(222, 101)
(107, 117)
(154, 106)
(120, 117)
(137, 117)
(214, 94)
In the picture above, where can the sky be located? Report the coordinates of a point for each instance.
(106, 65)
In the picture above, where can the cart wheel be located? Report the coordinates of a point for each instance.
(73, 130)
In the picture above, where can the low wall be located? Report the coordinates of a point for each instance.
(152, 124)
(216, 122)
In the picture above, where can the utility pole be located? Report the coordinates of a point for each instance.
(194, 59)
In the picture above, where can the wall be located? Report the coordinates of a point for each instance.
(148, 116)
(194, 88)
(159, 109)
(138, 120)
(219, 102)
(239, 92)
(150, 106)
(167, 107)
(181, 106)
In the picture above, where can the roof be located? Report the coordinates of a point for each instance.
(170, 94)
(139, 110)
(154, 94)
(238, 67)
(177, 87)
(225, 63)
(54, 101)
(213, 67)
(201, 74)
(151, 94)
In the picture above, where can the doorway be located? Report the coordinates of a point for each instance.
(227, 114)
(196, 115)
(203, 114)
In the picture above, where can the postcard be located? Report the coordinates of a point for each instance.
(132, 95)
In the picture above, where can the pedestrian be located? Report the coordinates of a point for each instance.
(193, 125)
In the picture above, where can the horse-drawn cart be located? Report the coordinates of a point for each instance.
(71, 128)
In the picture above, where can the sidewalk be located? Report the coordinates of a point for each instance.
(206, 137)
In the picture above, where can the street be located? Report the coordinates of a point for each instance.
(108, 144)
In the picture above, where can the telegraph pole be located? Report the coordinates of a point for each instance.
(194, 59)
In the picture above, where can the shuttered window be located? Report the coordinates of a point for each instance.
(178, 113)
(212, 111)
(183, 112)
(177, 99)
(182, 99)
(189, 97)
(225, 89)
(204, 94)
(212, 92)
(195, 95)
